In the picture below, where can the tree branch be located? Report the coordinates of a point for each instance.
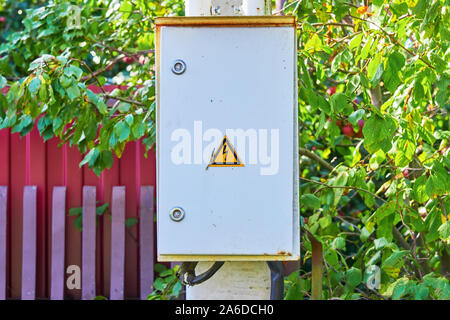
(316, 158)
(343, 187)
(125, 100)
(395, 41)
(99, 71)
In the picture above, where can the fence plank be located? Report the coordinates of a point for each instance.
(58, 243)
(129, 178)
(3, 240)
(88, 244)
(146, 236)
(117, 244)
(29, 243)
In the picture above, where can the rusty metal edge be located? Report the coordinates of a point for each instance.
(164, 258)
(215, 21)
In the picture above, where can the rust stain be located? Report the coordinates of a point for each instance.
(284, 253)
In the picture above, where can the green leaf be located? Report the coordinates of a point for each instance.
(365, 50)
(3, 82)
(391, 76)
(444, 231)
(419, 190)
(92, 96)
(377, 76)
(365, 234)
(418, 91)
(160, 267)
(107, 158)
(34, 85)
(438, 182)
(373, 66)
(384, 211)
(356, 41)
(402, 287)
(65, 81)
(313, 44)
(378, 133)
(129, 119)
(79, 223)
(399, 9)
(338, 243)
(384, 228)
(380, 243)
(339, 181)
(5, 68)
(177, 289)
(75, 211)
(122, 130)
(294, 292)
(353, 84)
(43, 124)
(100, 210)
(310, 201)
(57, 122)
(131, 222)
(90, 157)
(318, 102)
(166, 273)
(159, 284)
(406, 147)
(425, 135)
(138, 129)
(340, 103)
(395, 260)
(421, 292)
(442, 95)
(73, 92)
(433, 223)
(356, 116)
(73, 71)
(112, 141)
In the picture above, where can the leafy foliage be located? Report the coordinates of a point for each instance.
(166, 286)
(63, 49)
(374, 103)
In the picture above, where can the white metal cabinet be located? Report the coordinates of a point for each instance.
(233, 77)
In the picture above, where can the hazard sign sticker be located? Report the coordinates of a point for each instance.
(225, 156)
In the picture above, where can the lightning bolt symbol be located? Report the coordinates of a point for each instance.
(225, 152)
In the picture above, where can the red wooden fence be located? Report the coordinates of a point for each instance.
(31, 173)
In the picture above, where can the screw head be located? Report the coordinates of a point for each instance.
(177, 214)
(178, 67)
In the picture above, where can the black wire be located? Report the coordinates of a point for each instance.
(192, 279)
(276, 280)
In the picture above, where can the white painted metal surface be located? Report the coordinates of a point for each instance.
(239, 78)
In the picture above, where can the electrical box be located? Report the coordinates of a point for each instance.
(227, 139)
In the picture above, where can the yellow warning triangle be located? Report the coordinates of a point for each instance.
(226, 156)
